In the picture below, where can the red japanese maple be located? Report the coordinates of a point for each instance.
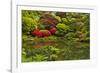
(45, 33)
(53, 30)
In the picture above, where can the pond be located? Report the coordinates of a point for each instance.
(67, 49)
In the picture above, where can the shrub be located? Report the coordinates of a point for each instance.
(53, 30)
(28, 25)
(62, 29)
(39, 57)
(45, 33)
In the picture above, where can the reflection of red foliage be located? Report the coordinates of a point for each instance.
(53, 30)
(39, 45)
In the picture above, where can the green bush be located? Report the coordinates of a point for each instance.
(39, 57)
(28, 25)
(62, 29)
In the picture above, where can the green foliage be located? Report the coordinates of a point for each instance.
(57, 17)
(39, 57)
(42, 54)
(62, 29)
(55, 50)
(53, 57)
(28, 24)
(70, 42)
(65, 21)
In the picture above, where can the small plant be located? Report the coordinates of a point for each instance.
(53, 57)
(39, 57)
(55, 50)
(53, 53)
